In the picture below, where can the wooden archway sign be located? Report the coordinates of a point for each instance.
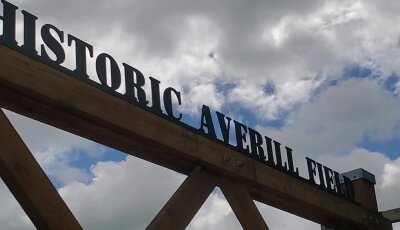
(39, 87)
(80, 109)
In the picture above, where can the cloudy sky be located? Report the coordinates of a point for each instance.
(322, 77)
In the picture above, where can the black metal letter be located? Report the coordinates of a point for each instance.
(338, 187)
(256, 140)
(278, 155)
(168, 102)
(311, 165)
(225, 127)
(9, 12)
(290, 162)
(155, 95)
(80, 55)
(101, 70)
(348, 188)
(270, 153)
(321, 176)
(240, 131)
(52, 43)
(134, 79)
(329, 179)
(206, 121)
(29, 33)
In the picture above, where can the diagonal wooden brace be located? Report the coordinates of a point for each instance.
(186, 201)
(29, 184)
(243, 205)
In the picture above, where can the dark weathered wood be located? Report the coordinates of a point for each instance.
(43, 93)
(393, 215)
(186, 201)
(29, 184)
(243, 206)
(364, 194)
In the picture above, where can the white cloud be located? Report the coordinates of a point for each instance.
(340, 118)
(55, 149)
(203, 95)
(270, 106)
(387, 187)
(215, 214)
(391, 175)
(280, 220)
(294, 46)
(283, 43)
(12, 216)
(122, 195)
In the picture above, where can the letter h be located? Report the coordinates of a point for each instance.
(8, 18)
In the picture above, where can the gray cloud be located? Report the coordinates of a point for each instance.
(122, 195)
(254, 42)
(385, 170)
(340, 118)
(12, 216)
(55, 149)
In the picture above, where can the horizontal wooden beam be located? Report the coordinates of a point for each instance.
(29, 184)
(38, 91)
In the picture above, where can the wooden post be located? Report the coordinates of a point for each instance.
(186, 201)
(29, 184)
(363, 184)
(243, 206)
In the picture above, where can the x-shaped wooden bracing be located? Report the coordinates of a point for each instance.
(187, 200)
(47, 210)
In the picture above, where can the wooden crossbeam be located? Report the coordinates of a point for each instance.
(186, 201)
(29, 184)
(243, 206)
